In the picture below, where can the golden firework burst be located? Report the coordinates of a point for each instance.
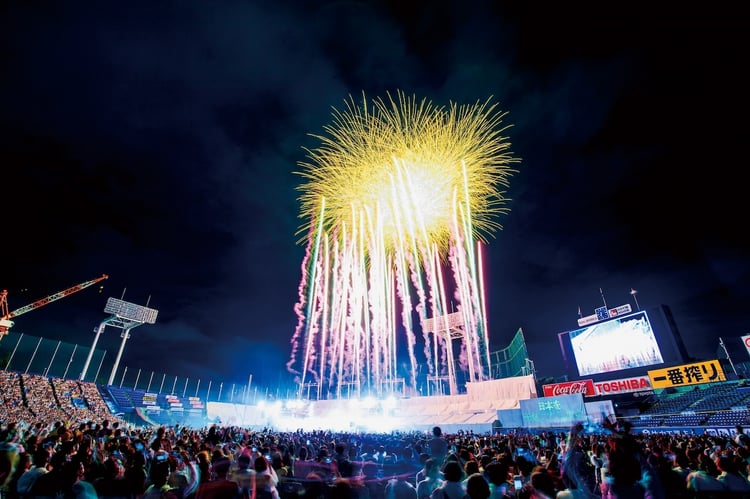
(407, 167)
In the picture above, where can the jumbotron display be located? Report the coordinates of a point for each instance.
(635, 342)
(622, 343)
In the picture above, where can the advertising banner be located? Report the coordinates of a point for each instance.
(585, 387)
(687, 374)
(552, 412)
(624, 385)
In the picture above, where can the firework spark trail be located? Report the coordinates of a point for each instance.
(463, 295)
(298, 308)
(384, 185)
(343, 298)
(333, 294)
(459, 294)
(309, 259)
(476, 294)
(426, 303)
(402, 292)
(343, 344)
(467, 266)
(408, 257)
(483, 309)
(313, 324)
(324, 299)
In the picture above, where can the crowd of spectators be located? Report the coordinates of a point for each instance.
(43, 456)
(34, 398)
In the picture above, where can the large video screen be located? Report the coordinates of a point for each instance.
(631, 342)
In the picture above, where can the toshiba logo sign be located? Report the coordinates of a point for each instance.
(626, 385)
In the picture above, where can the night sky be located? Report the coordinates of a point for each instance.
(157, 142)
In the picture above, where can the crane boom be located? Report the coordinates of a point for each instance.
(6, 323)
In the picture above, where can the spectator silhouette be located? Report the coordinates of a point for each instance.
(451, 488)
(477, 487)
(704, 479)
(27, 480)
(136, 475)
(496, 474)
(734, 479)
(400, 489)
(266, 479)
(113, 484)
(432, 479)
(220, 487)
(158, 474)
(23, 463)
(438, 445)
(244, 475)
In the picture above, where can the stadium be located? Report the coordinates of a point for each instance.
(661, 390)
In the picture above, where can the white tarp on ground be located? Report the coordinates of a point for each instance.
(504, 393)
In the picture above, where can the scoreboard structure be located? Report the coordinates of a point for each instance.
(622, 345)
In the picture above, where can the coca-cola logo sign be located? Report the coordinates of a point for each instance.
(584, 387)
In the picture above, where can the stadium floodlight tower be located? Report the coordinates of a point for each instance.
(125, 316)
(450, 327)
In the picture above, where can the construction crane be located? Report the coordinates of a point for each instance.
(5, 316)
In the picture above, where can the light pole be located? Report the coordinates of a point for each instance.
(634, 294)
(726, 352)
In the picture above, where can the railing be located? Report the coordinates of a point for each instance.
(27, 354)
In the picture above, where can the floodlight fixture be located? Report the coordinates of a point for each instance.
(130, 311)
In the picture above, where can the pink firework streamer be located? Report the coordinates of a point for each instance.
(314, 320)
(464, 297)
(441, 310)
(341, 354)
(337, 328)
(316, 304)
(328, 339)
(465, 293)
(463, 359)
(369, 307)
(299, 307)
(402, 291)
(454, 257)
(324, 318)
(483, 308)
(422, 307)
